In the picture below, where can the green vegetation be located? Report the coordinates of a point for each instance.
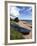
(16, 19)
(11, 19)
(15, 35)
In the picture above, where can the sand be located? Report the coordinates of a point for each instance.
(27, 26)
(29, 36)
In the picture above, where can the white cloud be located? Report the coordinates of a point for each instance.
(29, 9)
(14, 11)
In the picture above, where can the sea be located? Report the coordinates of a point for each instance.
(28, 21)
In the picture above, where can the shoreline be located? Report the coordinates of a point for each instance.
(24, 24)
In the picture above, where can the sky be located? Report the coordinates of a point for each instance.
(22, 12)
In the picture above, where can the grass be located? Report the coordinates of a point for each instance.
(12, 22)
(15, 35)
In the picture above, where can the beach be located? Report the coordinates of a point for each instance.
(23, 27)
(24, 24)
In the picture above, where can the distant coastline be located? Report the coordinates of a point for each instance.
(28, 21)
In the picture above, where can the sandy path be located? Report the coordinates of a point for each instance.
(24, 25)
(27, 26)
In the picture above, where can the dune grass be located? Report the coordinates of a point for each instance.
(15, 35)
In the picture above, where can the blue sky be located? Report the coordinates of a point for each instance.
(22, 12)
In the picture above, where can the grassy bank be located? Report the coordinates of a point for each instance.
(14, 34)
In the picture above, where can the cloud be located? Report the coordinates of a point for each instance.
(14, 11)
(26, 14)
(26, 11)
(21, 13)
(29, 9)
